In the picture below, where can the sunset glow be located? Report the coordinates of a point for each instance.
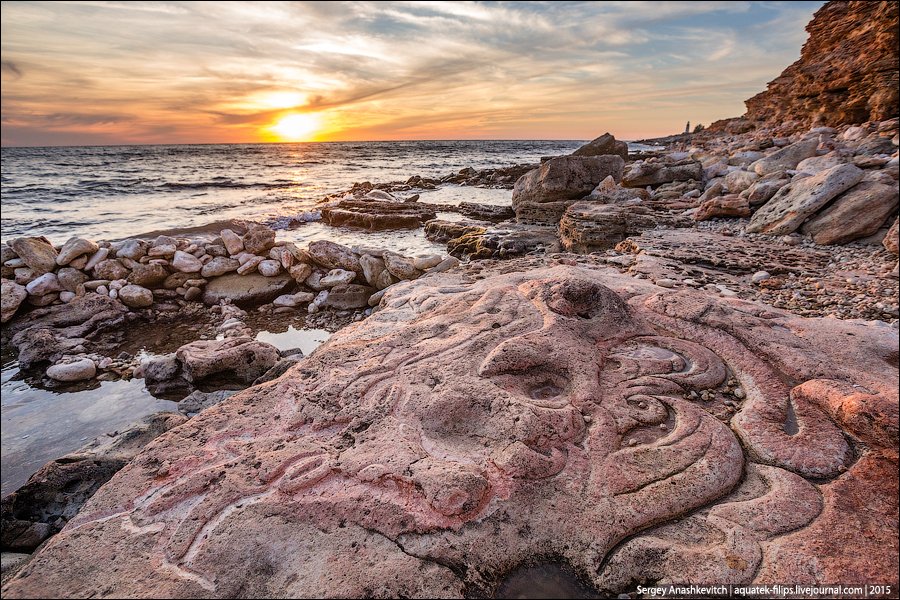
(296, 127)
(112, 72)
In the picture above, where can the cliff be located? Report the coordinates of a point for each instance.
(847, 71)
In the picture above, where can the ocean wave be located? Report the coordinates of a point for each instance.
(224, 183)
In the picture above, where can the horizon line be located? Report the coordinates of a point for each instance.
(323, 142)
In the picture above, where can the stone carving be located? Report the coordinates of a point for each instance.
(485, 418)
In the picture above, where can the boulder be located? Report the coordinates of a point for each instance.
(136, 296)
(542, 194)
(723, 206)
(219, 266)
(349, 296)
(333, 256)
(793, 203)
(376, 216)
(70, 279)
(259, 240)
(133, 249)
(892, 239)
(47, 283)
(232, 241)
(857, 213)
(77, 370)
(148, 276)
(587, 227)
(74, 248)
(239, 359)
(786, 158)
(11, 297)
(37, 252)
(245, 290)
(110, 269)
(400, 266)
(470, 427)
(439, 230)
(654, 173)
(186, 263)
(603, 145)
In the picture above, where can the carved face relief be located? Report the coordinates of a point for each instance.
(466, 427)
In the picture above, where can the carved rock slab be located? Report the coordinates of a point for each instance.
(492, 415)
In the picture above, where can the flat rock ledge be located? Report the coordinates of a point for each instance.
(505, 412)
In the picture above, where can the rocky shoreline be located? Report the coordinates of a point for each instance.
(672, 366)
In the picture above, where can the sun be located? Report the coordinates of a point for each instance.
(296, 127)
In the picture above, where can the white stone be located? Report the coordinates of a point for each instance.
(45, 284)
(666, 283)
(233, 242)
(292, 300)
(337, 277)
(95, 258)
(74, 371)
(250, 265)
(186, 263)
(760, 276)
(269, 268)
(67, 296)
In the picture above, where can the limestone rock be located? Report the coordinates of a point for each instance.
(470, 426)
(186, 263)
(336, 277)
(233, 242)
(557, 183)
(786, 158)
(259, 240)
(269, 268)
(892, 239)
(136, 296)
(400, 266)
(603, 145)
(847, 71)
(37, 252)
(793, 203)
(245, 290)
(723, 206)
(857, 213)
(70, 279)
(738, 181)
(77, 370)
(11, 296)
(349, 296)
(110, 269)
(133, 249)
(219, 266)
(653, 173)
(333, 256)
(242, 359)
(150, 275)
(588, 227)
(74, 248)
(376, 216)
(47, 283)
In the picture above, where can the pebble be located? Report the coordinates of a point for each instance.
(666, 283)
(760, 276)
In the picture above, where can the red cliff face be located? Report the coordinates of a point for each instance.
(847, 72)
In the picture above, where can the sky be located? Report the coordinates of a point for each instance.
(108, 72)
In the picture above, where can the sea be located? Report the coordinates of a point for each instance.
(114, 192)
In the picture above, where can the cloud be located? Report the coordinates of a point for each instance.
(10, 68)
(194, 71)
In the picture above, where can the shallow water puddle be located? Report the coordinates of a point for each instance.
(305, 339)
(548, 580)
(40, 425)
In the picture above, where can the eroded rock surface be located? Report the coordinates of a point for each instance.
(497, 414)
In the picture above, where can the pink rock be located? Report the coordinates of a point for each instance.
(472, 425)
